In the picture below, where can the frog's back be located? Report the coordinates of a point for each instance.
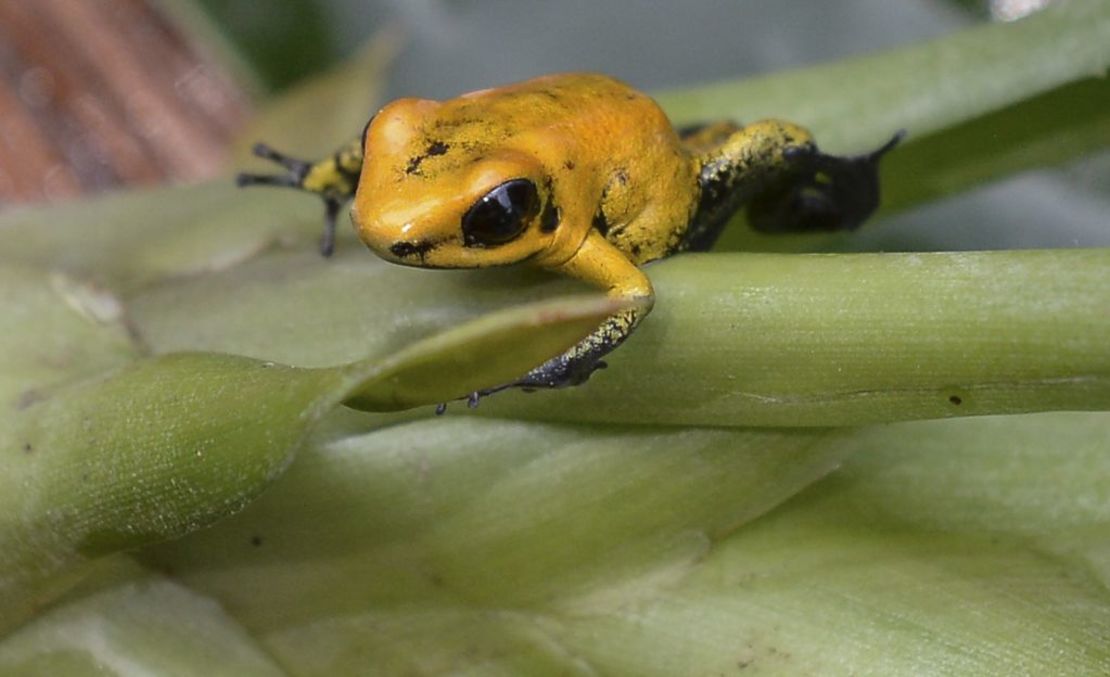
(587, 104)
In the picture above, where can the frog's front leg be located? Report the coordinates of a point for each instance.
(334, 179)
(599, 263)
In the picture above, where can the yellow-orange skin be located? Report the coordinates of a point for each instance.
(604, 159)
(585, 140)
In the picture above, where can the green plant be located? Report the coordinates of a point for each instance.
(174, 496)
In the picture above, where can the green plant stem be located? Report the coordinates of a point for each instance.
(833, 340)
(924, 87)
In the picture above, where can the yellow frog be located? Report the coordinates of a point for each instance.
(578, 174)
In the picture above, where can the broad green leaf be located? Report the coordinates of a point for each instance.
(127, 240)
(490, 513)
(623, 551)
(56, 328)
(1039, 479)
(163, 446)
(146, 627)
(381, 550)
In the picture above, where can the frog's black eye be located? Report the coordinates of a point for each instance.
(502, 214)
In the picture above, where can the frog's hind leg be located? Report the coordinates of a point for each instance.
(774, 169)
(701, 139)
(334, 179)
(824, 193)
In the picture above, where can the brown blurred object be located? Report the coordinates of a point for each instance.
(102, 93)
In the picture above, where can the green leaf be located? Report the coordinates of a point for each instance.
(394, 548)
(136, 628)
(163, 446)
(126, 241)
(1033, 133)
(622, 553)
(490, 513)
(57, 328)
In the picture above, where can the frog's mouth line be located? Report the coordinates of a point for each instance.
(404, 250)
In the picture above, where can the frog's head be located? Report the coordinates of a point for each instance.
(440, 189)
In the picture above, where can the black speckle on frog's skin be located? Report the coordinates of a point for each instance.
(956, 400)
(725, 187)
(600, 223)
(404, 250)
(568, 165)
(434, 148)
(256, 541)
(551, 217)
(27, 448)
(347, 170)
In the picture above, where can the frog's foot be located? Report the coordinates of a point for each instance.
(824, 193)
(298, 171)
(472, 399)
(294, 178)
(557, 373)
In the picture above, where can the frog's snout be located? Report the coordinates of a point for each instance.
(405, 250)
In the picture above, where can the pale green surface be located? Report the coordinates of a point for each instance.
(146, 627)
(163, 446)
(405, 543)
(940, 545)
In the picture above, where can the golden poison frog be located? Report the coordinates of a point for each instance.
(578, 174)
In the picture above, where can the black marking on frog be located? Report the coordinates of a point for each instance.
(419, 248)
(434, 148)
